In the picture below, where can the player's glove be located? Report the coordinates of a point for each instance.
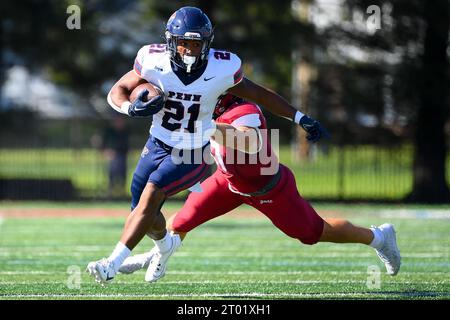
(142, 108)
(314, 129)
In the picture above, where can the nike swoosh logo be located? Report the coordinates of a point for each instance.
(207, 79)
(139, 109)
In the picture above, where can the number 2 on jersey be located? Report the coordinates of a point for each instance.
(178, 116)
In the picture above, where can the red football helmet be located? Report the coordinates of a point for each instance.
(224, 102)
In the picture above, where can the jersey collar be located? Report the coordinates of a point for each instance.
(188, 78)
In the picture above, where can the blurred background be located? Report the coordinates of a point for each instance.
(375, 73)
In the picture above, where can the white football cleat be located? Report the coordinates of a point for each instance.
(102, 270)
(389, 252)
(137, 262)
(158, 263)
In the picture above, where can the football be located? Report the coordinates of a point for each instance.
(153, 91)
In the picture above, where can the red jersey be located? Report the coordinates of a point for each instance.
(246, 173)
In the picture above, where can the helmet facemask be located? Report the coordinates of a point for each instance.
(188, 62)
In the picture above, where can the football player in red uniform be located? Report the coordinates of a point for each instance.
(244, 176)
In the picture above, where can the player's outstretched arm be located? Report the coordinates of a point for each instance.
(276, 104)
(272, 101)
(119, 95)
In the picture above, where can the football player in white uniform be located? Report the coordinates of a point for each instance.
(192, 77)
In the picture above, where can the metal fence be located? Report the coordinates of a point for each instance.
(365, 172)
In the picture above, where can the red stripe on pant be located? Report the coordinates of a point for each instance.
(182, 184)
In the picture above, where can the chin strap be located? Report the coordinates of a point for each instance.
(189, 61)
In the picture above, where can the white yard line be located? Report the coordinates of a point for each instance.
(45, 252)
(194, 282)
(281, 273)
(227, 295)
(6, 254)
(12, 273)
(413, 213)
(363, 264)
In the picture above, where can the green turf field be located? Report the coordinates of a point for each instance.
(229, 258)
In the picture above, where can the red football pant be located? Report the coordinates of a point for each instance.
(283, 205)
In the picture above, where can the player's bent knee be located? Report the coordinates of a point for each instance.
(309, 236)
(305, 237)
(312, 232)
(309, 241)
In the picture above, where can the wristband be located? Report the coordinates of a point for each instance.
(125, 106)
(298, 116)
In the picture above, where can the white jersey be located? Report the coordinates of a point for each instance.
(185, 120)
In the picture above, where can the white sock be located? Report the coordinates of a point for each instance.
(120, 253)
(378, 238)
(165, 243)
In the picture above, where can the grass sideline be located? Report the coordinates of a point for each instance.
(227, 258)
